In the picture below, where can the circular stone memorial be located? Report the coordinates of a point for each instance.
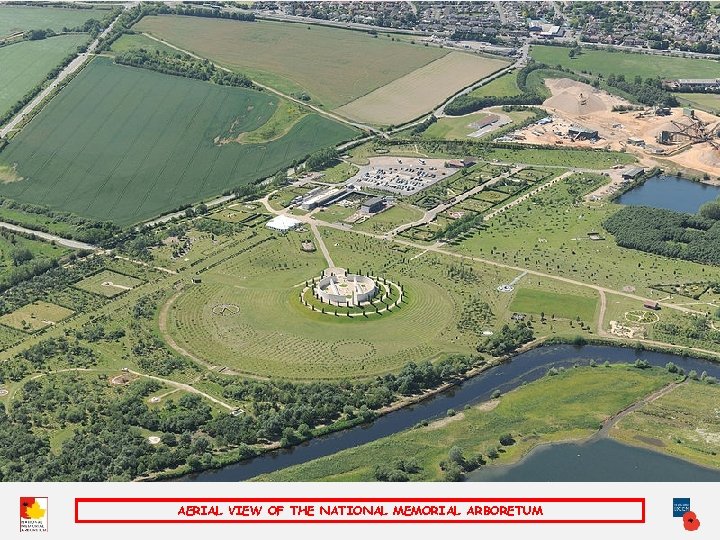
(338, 288)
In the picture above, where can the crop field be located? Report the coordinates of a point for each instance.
(581, 399)
(554, 305)
(14, 19)
(108, 283)
(684, 423)
(35, 316)
(623, 63)
(505, 85)
(411, 96)
(246, 313)
(24, 65)
(334, 66)
(126, 144)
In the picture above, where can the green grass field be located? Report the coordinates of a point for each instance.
(684, 423)
(706, 102)
(505, 85)
(129, 42)
(35, 316)
(10, 242)
(549, 233)
(449, 128)
(24, 65)
(126, 144)
(581, 399)
(554, 305)
(268, 332)
(603, 62)
(15, 19)
(334, 66)
(108, 283)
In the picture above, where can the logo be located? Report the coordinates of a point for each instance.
(681, 508)
(33, 514)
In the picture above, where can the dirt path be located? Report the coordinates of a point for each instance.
(601, 317)
(321, 245)
(613, 420)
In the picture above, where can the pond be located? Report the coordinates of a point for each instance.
(526, 367)
(670, 193)
(600, 460)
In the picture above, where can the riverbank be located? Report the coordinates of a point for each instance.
(582, 399)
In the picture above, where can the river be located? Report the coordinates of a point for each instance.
(670, 193)
(525, 367)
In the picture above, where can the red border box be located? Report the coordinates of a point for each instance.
(79, 500)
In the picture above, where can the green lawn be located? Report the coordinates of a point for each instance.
(580, 400)
(126, 144)
(706, 102)
(129, 42)
(15, 19)
(334, 66)
(505, 85)
(585, 159)
(603, 62)
(549, 233)
(684, 423)
(554, 305)
(390, 219)
(26, 64)
(449, 128)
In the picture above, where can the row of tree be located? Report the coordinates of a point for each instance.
(182, 65)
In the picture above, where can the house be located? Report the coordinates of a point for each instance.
(649, 304)
(373, 205)
(632, 173)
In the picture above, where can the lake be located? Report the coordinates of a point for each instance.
(600, 460)
(670, 193)
(526, 367)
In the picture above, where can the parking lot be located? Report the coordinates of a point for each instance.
(401, 175)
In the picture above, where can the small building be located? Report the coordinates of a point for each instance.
(595, 236)
(373, 205)
(468, 161)
(582, 133)
(454, 164)
(632, 173)
(307, 246)
(282, 223)
(196, 280)
(662, 111)
(650, 304)
(323, 198)
(636, 141)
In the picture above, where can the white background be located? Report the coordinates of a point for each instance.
(705, 502)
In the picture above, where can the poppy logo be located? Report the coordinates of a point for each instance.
(33, 514)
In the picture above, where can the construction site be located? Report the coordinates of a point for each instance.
(583, 116)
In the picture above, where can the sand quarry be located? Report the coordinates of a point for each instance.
(576, 103)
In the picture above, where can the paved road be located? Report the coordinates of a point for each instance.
(73, 244)
(71, 68)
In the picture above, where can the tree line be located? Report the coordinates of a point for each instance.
(668, 233)
(182, 65)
